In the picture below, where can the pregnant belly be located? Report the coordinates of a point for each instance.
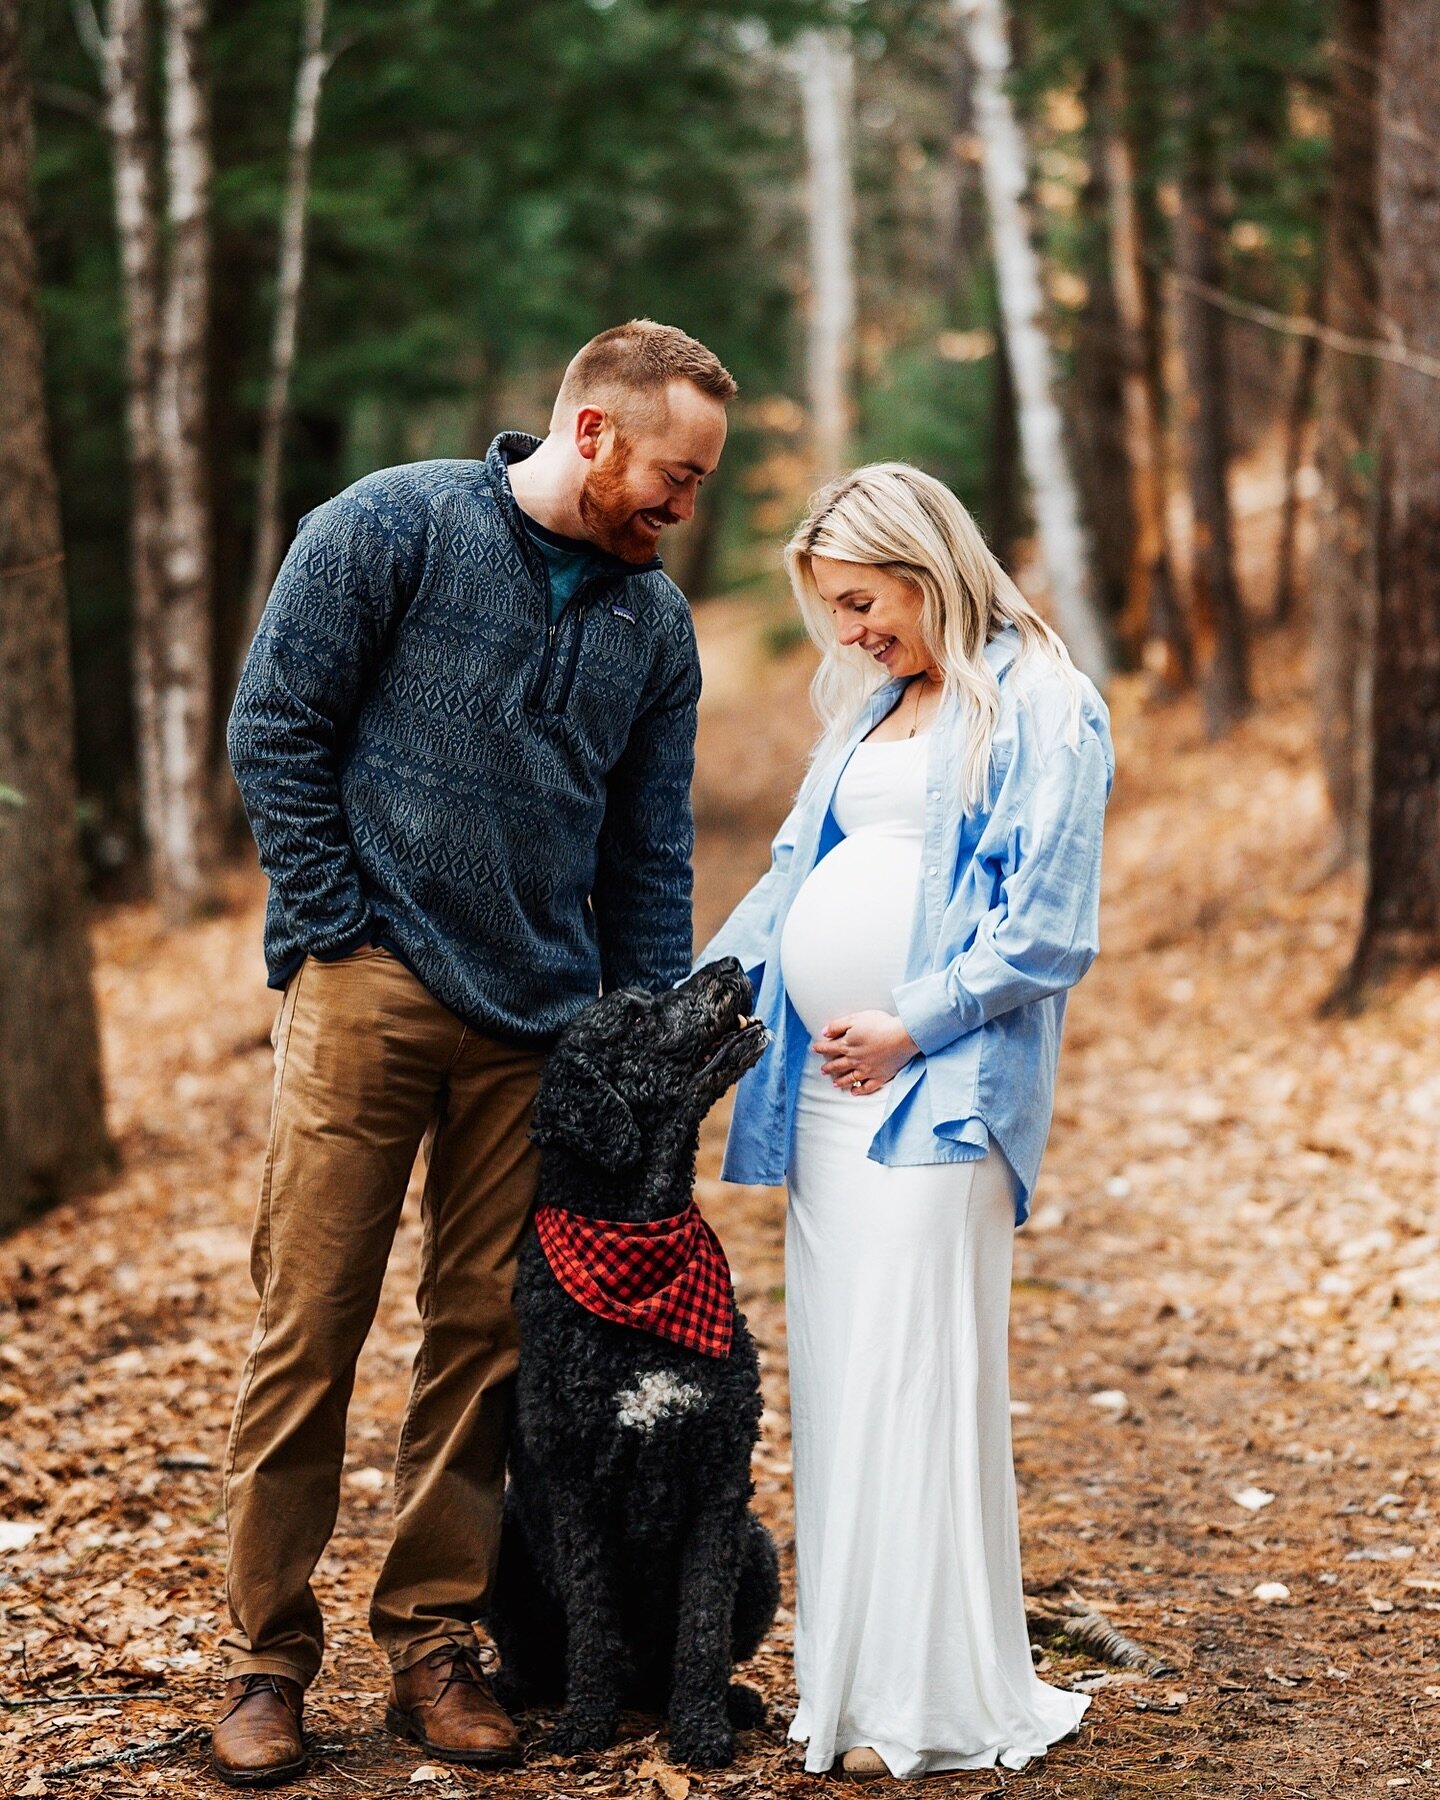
(845, 939)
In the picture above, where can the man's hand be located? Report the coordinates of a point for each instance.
(865, 1050)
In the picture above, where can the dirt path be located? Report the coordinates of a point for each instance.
(1231, 1286)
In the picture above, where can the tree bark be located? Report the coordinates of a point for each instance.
(1069, 565)
(167, 319)
(1297, 422)
(184, 852)
(1004, 499)
(126, 57)
(964, 260)
(1343, 581)
(1095, 389)
(1401, 924)
(1217, 609)
(266, 549)
(827, 86)
(1152, 623)
(52, 1122)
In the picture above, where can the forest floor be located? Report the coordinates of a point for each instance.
(1226, 1331)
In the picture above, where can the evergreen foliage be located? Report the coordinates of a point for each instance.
(492, 183)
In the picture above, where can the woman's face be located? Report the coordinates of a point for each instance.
(876, 610)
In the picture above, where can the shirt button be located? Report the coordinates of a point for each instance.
(930, 870)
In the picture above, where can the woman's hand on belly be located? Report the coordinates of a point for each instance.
(865, 1050)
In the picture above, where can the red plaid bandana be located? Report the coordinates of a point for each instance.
(666, 1276)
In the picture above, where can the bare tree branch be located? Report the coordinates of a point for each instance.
(1297, 325)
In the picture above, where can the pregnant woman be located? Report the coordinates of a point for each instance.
(932, 896)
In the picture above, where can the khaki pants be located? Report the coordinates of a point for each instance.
(367, 1065)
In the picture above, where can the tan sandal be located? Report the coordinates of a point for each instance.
(864, 1764)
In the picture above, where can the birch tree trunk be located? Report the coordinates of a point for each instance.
(1054, 497)
(167, 312)
(52, 1123)
(1401, 924)
(183, 845)
(126, 52)
(1343, 580)
(1152, 622)
(265, 550)
(827, 81)
(1225, 679)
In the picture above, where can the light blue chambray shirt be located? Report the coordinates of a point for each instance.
(1006, 920)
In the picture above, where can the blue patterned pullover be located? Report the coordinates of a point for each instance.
(429, 765)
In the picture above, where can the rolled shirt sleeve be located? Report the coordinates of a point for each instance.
(1043, 931)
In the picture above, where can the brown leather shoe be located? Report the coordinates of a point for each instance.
(256, 1742)
(445, 1704)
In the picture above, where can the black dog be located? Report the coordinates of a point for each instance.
(631, 1570)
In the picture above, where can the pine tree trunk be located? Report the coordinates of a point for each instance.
(265, 552)
(1297, 422)
(1343, 581)
(1152, 623)
(183, 851)
(1095, 389)
(1225, 680)
(1069, 565)
(827, 85)
(1401, 925)
(52, 1124)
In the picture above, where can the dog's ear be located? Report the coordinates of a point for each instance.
(578, 1107)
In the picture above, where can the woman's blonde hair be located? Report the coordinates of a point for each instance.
(895, 517)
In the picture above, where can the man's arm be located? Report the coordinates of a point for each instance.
(643, 878)
(346, 579)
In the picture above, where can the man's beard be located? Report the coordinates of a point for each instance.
(607, 511)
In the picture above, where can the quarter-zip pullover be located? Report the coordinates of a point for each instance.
(430, 764)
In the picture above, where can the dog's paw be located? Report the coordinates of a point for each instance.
(702, 1743)
(745, 1707)
(576, 1732)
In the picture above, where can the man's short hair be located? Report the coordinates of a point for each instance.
(628, 368)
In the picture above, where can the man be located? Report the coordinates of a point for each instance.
(464, 736)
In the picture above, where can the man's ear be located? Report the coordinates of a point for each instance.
(588, 430)
(576, 1106)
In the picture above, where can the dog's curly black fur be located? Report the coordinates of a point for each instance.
(631, 1569)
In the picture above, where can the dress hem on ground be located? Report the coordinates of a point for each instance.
(905, 1763)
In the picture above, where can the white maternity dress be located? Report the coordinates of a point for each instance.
(910, 1623)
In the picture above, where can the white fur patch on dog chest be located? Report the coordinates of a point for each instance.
(655, 1397)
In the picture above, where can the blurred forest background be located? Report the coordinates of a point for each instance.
(489, 184)
(1080, 262)
(1154, 287)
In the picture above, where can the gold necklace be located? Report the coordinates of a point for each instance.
(920, 680)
